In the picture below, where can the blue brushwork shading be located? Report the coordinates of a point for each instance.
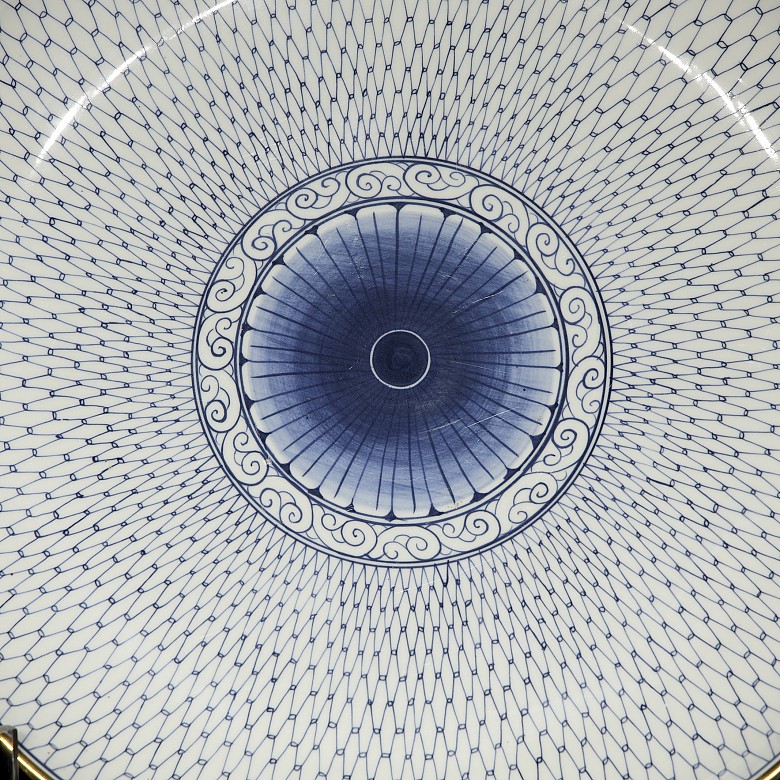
(401, 360)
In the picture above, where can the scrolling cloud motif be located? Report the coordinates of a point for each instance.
(413, 357)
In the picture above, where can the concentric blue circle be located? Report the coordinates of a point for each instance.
(401, 360)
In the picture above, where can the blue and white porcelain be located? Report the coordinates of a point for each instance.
(390, 390)
(402, 362)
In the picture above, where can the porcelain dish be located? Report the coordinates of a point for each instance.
(390, 389)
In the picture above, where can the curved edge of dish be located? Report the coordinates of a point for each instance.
(771, 771)
(16, 762)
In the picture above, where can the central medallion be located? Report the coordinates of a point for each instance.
(401, 362)
(423, 300)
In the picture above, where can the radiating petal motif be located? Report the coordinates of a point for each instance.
(387, 284)
(403, 359)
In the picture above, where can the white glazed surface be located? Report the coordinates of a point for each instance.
(154, 625)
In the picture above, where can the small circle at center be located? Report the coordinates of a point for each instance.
(400, 359)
